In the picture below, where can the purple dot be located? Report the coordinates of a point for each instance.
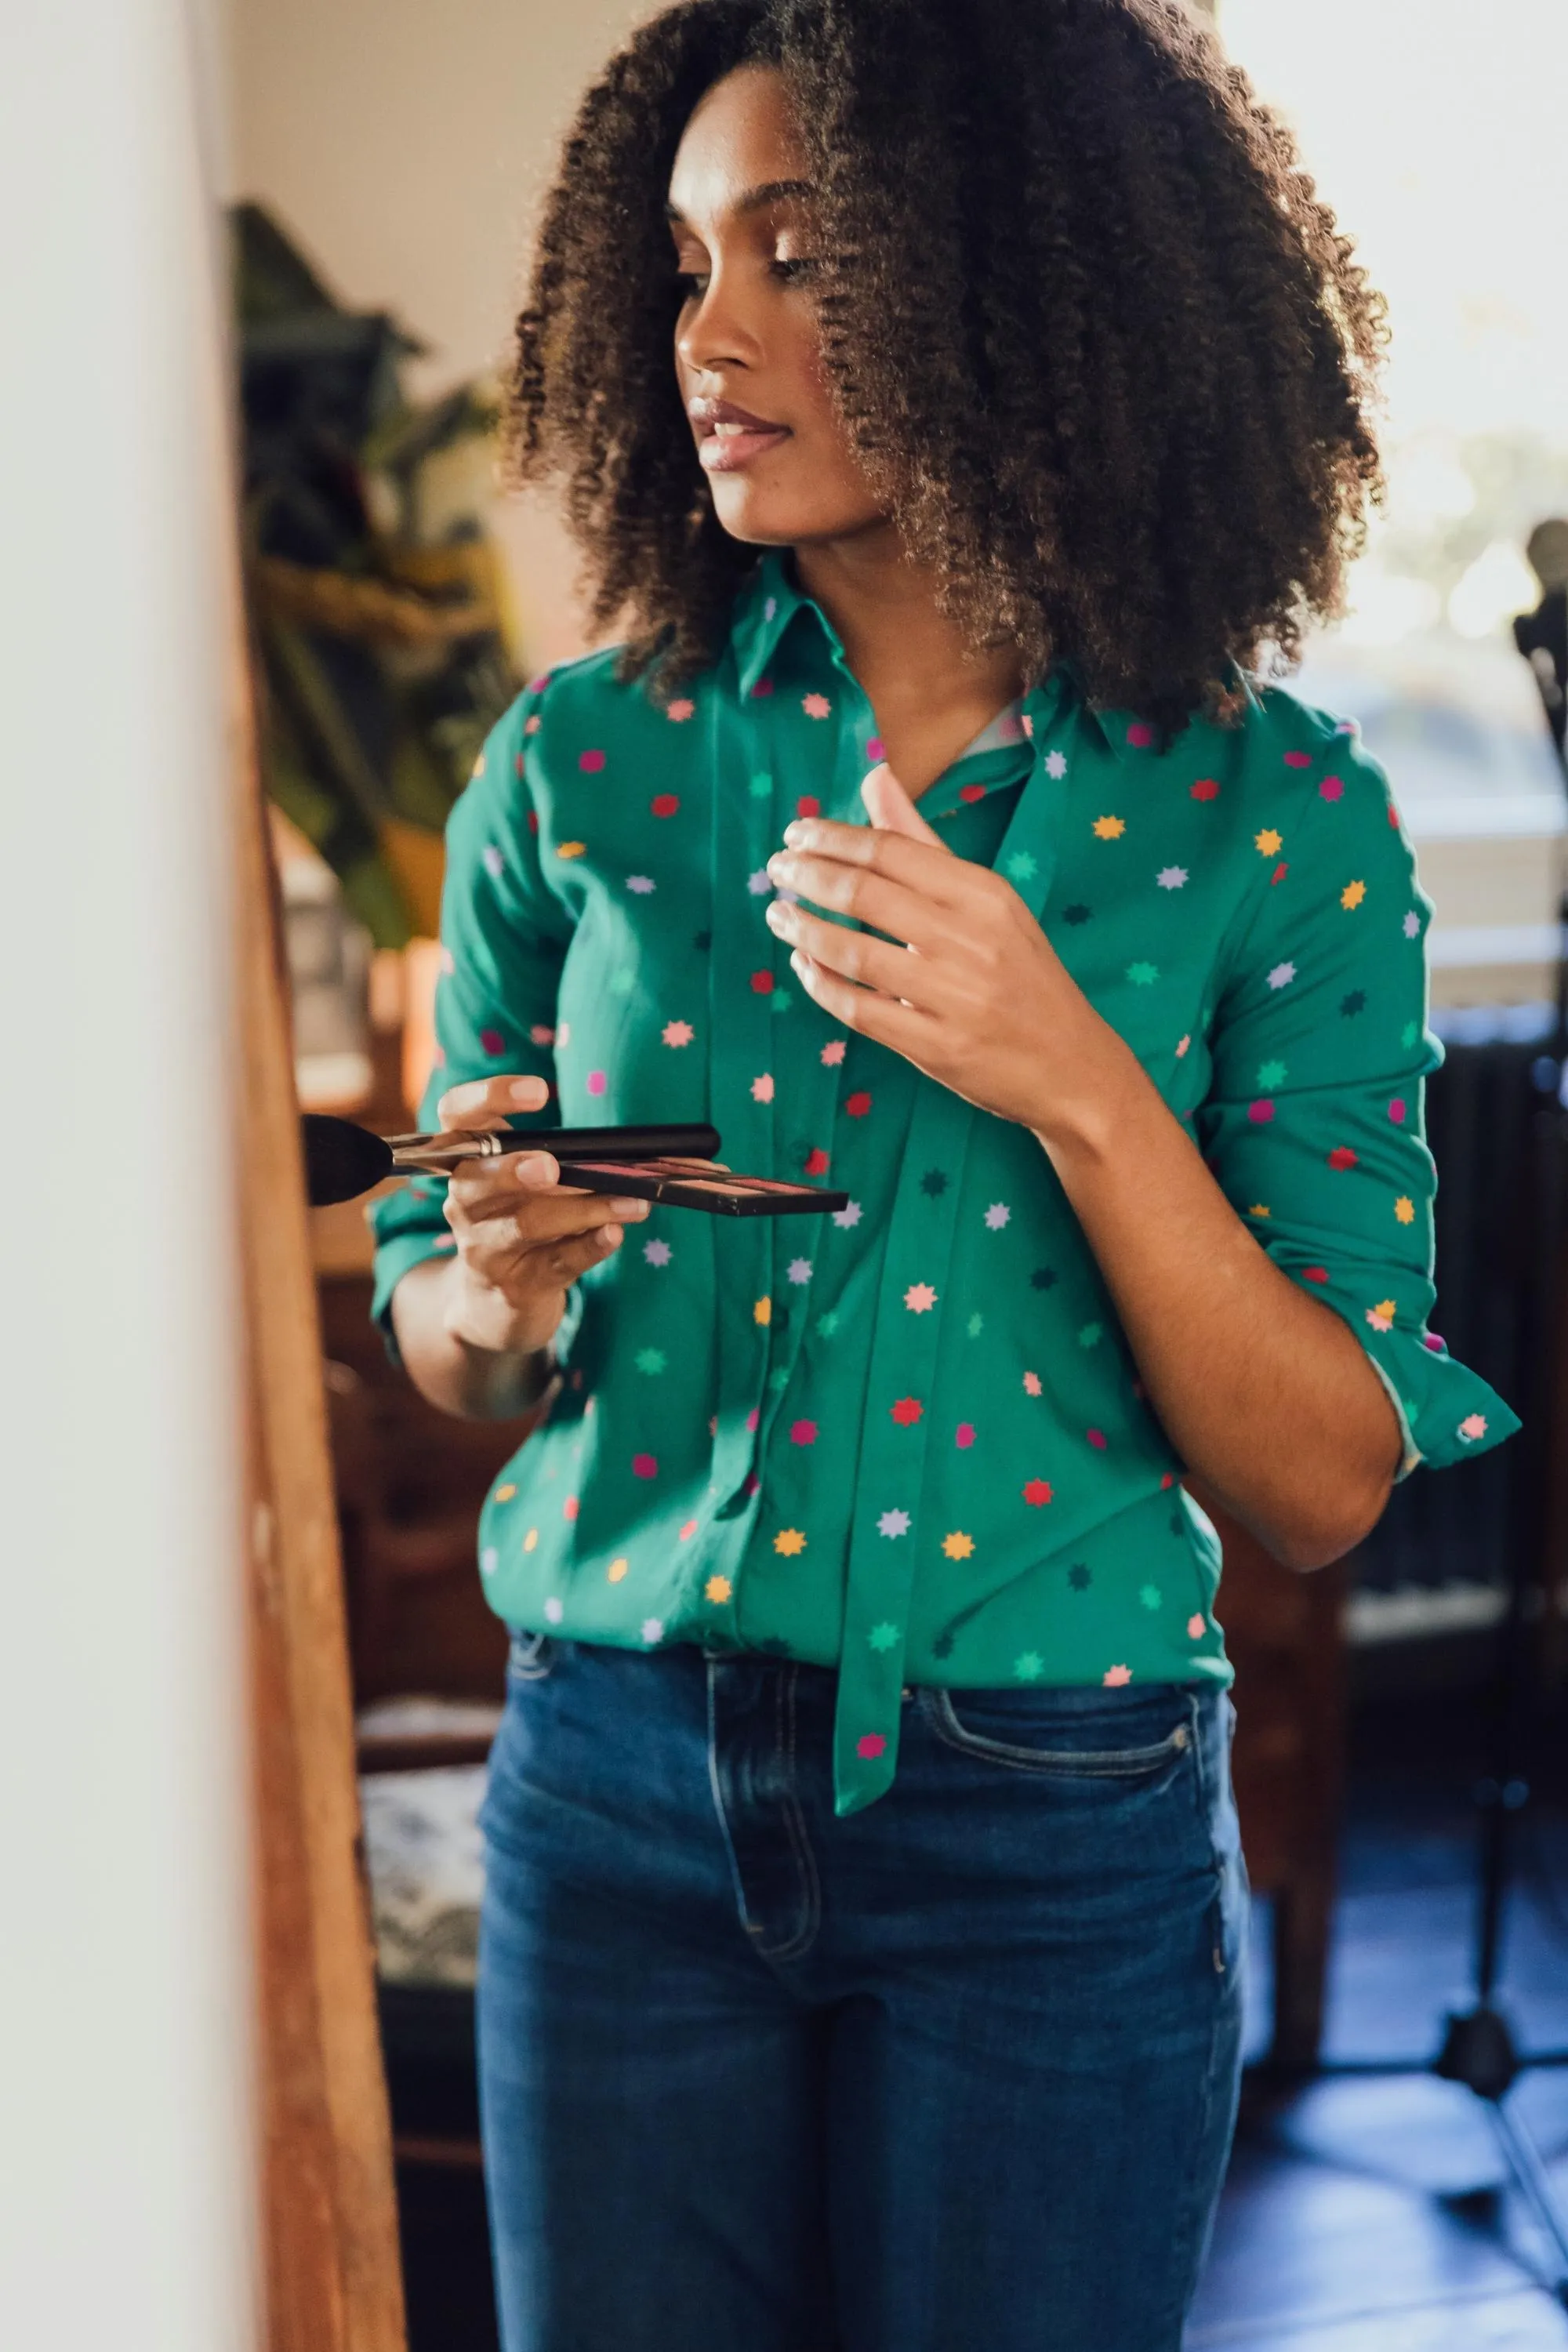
(1095, 1437)
(1439, 1346)
(1259, 1112)
(598, 1082)
(763, 687)
(1396, 1112)
(590, 762)
(1298, 759)
(1140, 734)
(1331, 788)
(492, 1041)
(644, 1465)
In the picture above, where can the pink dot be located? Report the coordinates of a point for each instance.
(875, 748)
(808, 806)
(1140, 734)
(764, 686)
(492, 1041)
(964, 1435)
(597, 1081)
(869, 1744)
(538, 684)
(569, 1507)
(802, 1433)
(1331, 788)
(1298, 759)
(750, 1483)
(1437, 1346)
(664, 804)
(590, 762)
(753, 1417)
(644, 1465)
(1096, 1438)
(1259, 1112)
(1195, 1629)
(1396, 1112)
(762, 983)
(972, 792)
(1392, 815)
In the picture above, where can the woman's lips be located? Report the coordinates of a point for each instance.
(725, 448)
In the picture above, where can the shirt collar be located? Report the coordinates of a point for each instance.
(769, 603)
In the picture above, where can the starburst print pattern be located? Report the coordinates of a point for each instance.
(1380, 1317)
(1172, 878)
(1268, 842)
(679, 709)
(1281, 975)
(1031, 1384)
(678, 1033)
(920, 1298)
(1412, 925)
(883, 1637)
(1110, 828)
(958, 1546)
(816, 705)
(1116, 1677)
(848, 1216)
(657, 1252)
(832, 1054)
(762, 1089)
(996, 1215)
(1143, 975)
(1055, 765)
(759, 882)
(1029, 1666)
(1352, 894)
(799, 1270)
(1405, 1209)
(1036, 1492)
(717, 1590)
(893, 1523)
(907, 1411)
(789, 1541)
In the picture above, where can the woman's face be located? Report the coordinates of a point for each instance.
(746, 352)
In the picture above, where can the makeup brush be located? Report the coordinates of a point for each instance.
(671, 1164)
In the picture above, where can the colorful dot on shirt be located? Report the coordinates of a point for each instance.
(1271, 1073)
(869, 1746)
(680, 709)
(1261, 1111)
(1116, 1677)
(799, 1270)
(832, 1054)
(893, 1523)
(652, 1631)
(554, 1610)
(570, 1508)
(816, 705)
(1022, 866)
(504, 1494)
(1405, 1209)
(907, 1411)
(848, 1216)
(1036, 1492)
(617, 1569)
(1331, 788)
(856, 1106)
(1110, 828)
(689, 1528)
(808, 805)
(664, 804)
(763, 688)
(1354, 1004)
(1267, 842)
(1380, 1317)
(1032, 1386)
(975, 1324)
(933, 1184)
(763, 1311)
(762, 1089)
(1090, 1334)
(761, 787)
(963, 1435)
(1140, 735)
(531, 1540)
(1097, 1439)
(1172, 878)
(997, 1214)
(1396, 1110)
(1298, 759)
(762, 984)
(920, 1298)
(651, 1360)
(644, 1465)
(657, 1252)
(597, 1082)
(1196, 1628)
(492, 861)
(1181, 1045)
(789, 1541)
(1055, 763)
(492, 1042)
(957, 1544)
(802, 1433)
(1352, 894)
(883, 1637)
(489, 1560)
(1205, 789)
(1341, 1156)
(972, 792)
(1473, 1426)
(1412, 925)
(678, 1033)
(875, 748)
(571, 848)
(717, 1589)
(1281, 975)
(591, 762)
(1143, 975)
(817, 1163)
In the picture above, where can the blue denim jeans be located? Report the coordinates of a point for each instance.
(956, 2074)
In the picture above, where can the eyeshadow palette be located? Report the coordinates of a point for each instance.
(699, 1184)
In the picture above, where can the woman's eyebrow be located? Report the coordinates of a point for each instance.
(769, 192)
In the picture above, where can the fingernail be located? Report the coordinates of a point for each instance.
(794, 833)
(629, 1208)
(524, 1090)
(536, 1167)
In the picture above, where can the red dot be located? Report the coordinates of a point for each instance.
(664, 804)
(1315, 1272)
(644, 1465)
(750, 1483)
(964, 1433)
(1037, 1492)
(1095, 1437)
(1259, 1112)
(817, 1160)
(1205, 789)
(1140, 734)
(590, 762)
(1167, 1479)
(762, 984)
(856, 1105)
(972, 792)
(533, 820)
(1298, 759)
(907, 1411)
(764, 686)
(1279, 872)
(492, 1041)
(870, 1744)
(802, 1433)
(808, 806)
(1341, 1156)
(1393, 815)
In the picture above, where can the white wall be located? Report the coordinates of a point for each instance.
(125, 2188)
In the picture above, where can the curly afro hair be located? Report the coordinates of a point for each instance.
(1123, 269)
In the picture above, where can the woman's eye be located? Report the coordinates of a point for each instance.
(800, 265)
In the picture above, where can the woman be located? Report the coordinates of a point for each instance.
(963, 407)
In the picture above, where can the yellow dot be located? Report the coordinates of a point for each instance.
(504, 1494)
(717, 1589)
(1352, 894)
(531, 1539)
(1260, 1209)
(1268, 842)
(763, 1312)
(570, 848)
(958, 1546)
(1110, 828)
(616, 1570)
(1405, 1209)
(789, 1541)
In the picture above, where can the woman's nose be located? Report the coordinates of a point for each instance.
(720, 330)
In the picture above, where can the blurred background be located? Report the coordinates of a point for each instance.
(369, 170)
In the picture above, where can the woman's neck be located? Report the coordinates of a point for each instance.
(931, 695)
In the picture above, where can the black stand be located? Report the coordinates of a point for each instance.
(1478, 2048)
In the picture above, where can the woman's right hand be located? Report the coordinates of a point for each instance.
(522, 1236)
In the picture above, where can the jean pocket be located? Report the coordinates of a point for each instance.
(530, 1656)
(1079, 1744)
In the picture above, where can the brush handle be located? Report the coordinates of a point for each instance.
(436, 1152)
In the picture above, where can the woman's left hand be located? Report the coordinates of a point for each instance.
(976, 996)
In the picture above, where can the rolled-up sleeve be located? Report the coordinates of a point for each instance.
(503, 939)
(1313, 1123)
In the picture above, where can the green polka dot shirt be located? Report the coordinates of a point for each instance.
(908, 1439)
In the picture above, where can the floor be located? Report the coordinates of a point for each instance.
(1361, 2214)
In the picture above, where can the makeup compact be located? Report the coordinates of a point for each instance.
(672, 1165)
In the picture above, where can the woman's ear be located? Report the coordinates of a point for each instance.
(890, 809)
